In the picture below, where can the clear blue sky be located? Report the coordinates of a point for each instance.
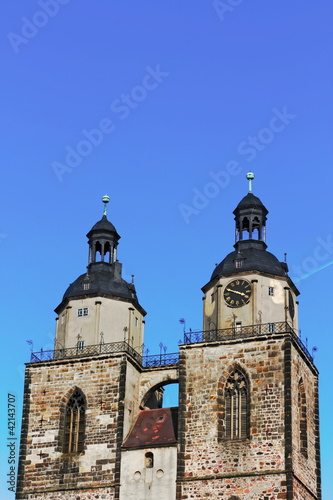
(164, 106)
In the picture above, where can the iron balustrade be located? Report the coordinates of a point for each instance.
(245, 332)
(167, 359)
(114, 347)
(160, 359)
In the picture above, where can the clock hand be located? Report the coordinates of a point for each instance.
(235, 291)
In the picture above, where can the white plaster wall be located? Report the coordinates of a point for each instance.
(140, 483)
(262, 308)
(111, 316)
(131, 401)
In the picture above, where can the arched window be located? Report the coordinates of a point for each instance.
(303, 424)
(74, 424)
(236, 406)
(149, 460)
(98, 248)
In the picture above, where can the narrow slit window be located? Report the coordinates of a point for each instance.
(149, 460)
(303, 425)
(238, 326)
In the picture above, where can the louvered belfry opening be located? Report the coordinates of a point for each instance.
(236, 406)
(75, 423)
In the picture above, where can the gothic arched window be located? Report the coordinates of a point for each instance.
(236, 406)
(303, 425)
(74, 424)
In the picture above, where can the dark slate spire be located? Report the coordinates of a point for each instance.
(104, 272)
(250, 247)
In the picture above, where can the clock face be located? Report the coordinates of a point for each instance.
(237, 293)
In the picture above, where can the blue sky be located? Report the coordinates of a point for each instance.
(164, 106)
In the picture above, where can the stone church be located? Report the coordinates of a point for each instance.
(247, 425)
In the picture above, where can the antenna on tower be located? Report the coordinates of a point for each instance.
(105, 200)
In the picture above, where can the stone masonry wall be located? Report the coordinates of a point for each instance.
(205, 452)
(88, 494)
(249, 488)
(300, 492)
(304, 466)
(43, 466)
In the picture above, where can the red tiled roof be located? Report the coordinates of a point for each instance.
(154, 428)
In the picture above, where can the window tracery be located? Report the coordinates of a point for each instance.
(236, 406)
(74, 423)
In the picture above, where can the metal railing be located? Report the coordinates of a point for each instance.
(245, 332)
(160, 359)
(167, 359)
(113, 347)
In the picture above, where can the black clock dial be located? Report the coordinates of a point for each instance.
(291, 305)
(237, 293)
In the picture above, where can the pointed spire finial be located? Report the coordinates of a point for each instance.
(105, 200)
(250, 177)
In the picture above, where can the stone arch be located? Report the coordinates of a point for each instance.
(62, 413)
(222, 403)
(155, 381)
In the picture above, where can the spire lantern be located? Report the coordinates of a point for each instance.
(103, 239)
(250, 217)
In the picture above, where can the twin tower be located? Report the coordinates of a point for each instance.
(246, 427)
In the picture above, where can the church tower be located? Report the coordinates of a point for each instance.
(93, 424)
(99, 306)
(249, 426)
(264, 294)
